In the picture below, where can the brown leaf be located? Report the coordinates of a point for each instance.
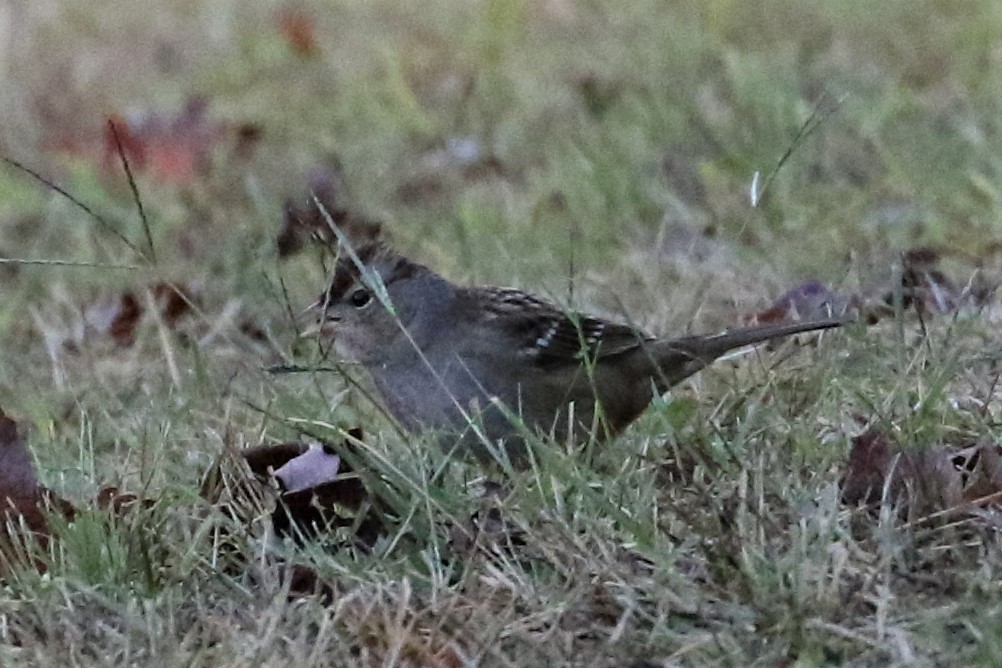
(174, 301)
(263, 460)
(17, 472)
(318, 490)
(123, 324)
(111, 498)
(23, 502)
(325, 499)
(298, 30)
(304, 220)
(982, 465)
(928, 481)
(254, 331)
(120, 316)
(808, 301)
(174, 146)
(926, 288)
(305, 581)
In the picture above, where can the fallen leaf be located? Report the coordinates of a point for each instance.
(174, 301)
(125, 319)
(306, 490)
(312, 468)
(24, 503)
(808, 301)
(866, 471)
(925, 287)
(119, 317)
(174, 148)
(298, 30)
(981, 470)
(305, 581)
(303, 221)
(17, 473)
(318, 491)
(119, 503)
(254, 331)
(927, 481)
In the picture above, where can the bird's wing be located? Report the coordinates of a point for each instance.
(550, 335)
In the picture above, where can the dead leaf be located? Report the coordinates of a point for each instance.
(174, 301)
(120, 316)
(927, 481)
(173, 148)
(925, 287)
(110, 498)
(308, 492)
(303, 221)
(17, 472)
(981, 470)
(124, 319)
(24, 503)
(304, 581)
(315, 502)
(298, 30)
(487, 531)
(312, 468)
(808, 301)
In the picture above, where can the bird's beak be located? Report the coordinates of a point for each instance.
(322, 325)
(312, 331)
(315, 307)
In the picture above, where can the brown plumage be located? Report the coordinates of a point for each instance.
(486, 364)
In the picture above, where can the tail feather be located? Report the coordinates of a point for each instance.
(677, 359)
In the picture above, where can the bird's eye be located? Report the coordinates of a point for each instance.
(360, 298)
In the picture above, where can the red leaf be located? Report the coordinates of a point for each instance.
(123, 326)
(175, 148)
(175, 301)
(298, 30)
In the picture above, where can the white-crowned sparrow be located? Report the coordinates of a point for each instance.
(493, 364)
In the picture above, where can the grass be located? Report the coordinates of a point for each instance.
(505, 141)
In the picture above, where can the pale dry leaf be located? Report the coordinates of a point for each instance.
(311, 469)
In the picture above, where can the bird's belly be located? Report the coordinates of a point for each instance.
(429, 398)
(453, 399)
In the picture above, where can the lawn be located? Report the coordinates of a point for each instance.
(681, 166)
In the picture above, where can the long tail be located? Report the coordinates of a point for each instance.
(677, 359)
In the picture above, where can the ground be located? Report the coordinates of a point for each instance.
(677, 165)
